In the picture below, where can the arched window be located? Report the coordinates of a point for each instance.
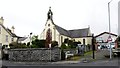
(48, 37)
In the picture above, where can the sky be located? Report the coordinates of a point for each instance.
(30, 15)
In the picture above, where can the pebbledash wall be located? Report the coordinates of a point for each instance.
(35, 54)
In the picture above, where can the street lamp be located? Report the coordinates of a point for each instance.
(30, 39)
(109, 28)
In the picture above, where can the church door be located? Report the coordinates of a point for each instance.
(48, 38)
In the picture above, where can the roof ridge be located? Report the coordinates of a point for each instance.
(78, 29)
(104, 33)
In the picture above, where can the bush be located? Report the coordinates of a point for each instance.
(54, 44)
(71, 43)
(17, 45)
(63, 46)
(38, 43)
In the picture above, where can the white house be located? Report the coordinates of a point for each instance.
(7, 35)
(103, 38)
(53, 32)
(24, 40)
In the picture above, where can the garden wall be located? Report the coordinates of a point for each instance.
(35, 54)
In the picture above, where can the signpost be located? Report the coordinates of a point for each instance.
(109, 40)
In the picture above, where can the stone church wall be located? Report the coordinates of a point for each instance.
(35, 54)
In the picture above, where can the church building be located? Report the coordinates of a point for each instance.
(53, 32)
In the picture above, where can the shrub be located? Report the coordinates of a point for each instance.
(17, 45)
(28, 44)
(54, 44)
(63, 46)
(38, 43)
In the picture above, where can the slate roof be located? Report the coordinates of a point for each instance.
(73, 33)
(79, 33)
(13, 35)
(9, 31)
(62, 31)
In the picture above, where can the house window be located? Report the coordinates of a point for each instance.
(6, 38)
(12, 39)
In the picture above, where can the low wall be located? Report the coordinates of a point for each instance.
(35, 54)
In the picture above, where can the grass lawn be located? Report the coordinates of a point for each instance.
(77, 57)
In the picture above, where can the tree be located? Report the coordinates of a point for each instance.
(38, 43)
(34, 37)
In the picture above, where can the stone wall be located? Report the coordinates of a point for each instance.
(35, 54)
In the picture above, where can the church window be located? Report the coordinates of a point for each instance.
(48, 24)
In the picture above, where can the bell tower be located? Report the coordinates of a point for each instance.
(49, 14)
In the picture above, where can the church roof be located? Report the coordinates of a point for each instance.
(79, 33)
(62, 31)
(73, 33)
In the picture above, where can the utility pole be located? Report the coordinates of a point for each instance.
(109, 28)
(93, 46)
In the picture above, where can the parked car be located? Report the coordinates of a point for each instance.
(116, 52)
(102, 47)
(68, 54)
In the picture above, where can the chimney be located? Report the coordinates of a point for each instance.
(1, 20)
(12, 29)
